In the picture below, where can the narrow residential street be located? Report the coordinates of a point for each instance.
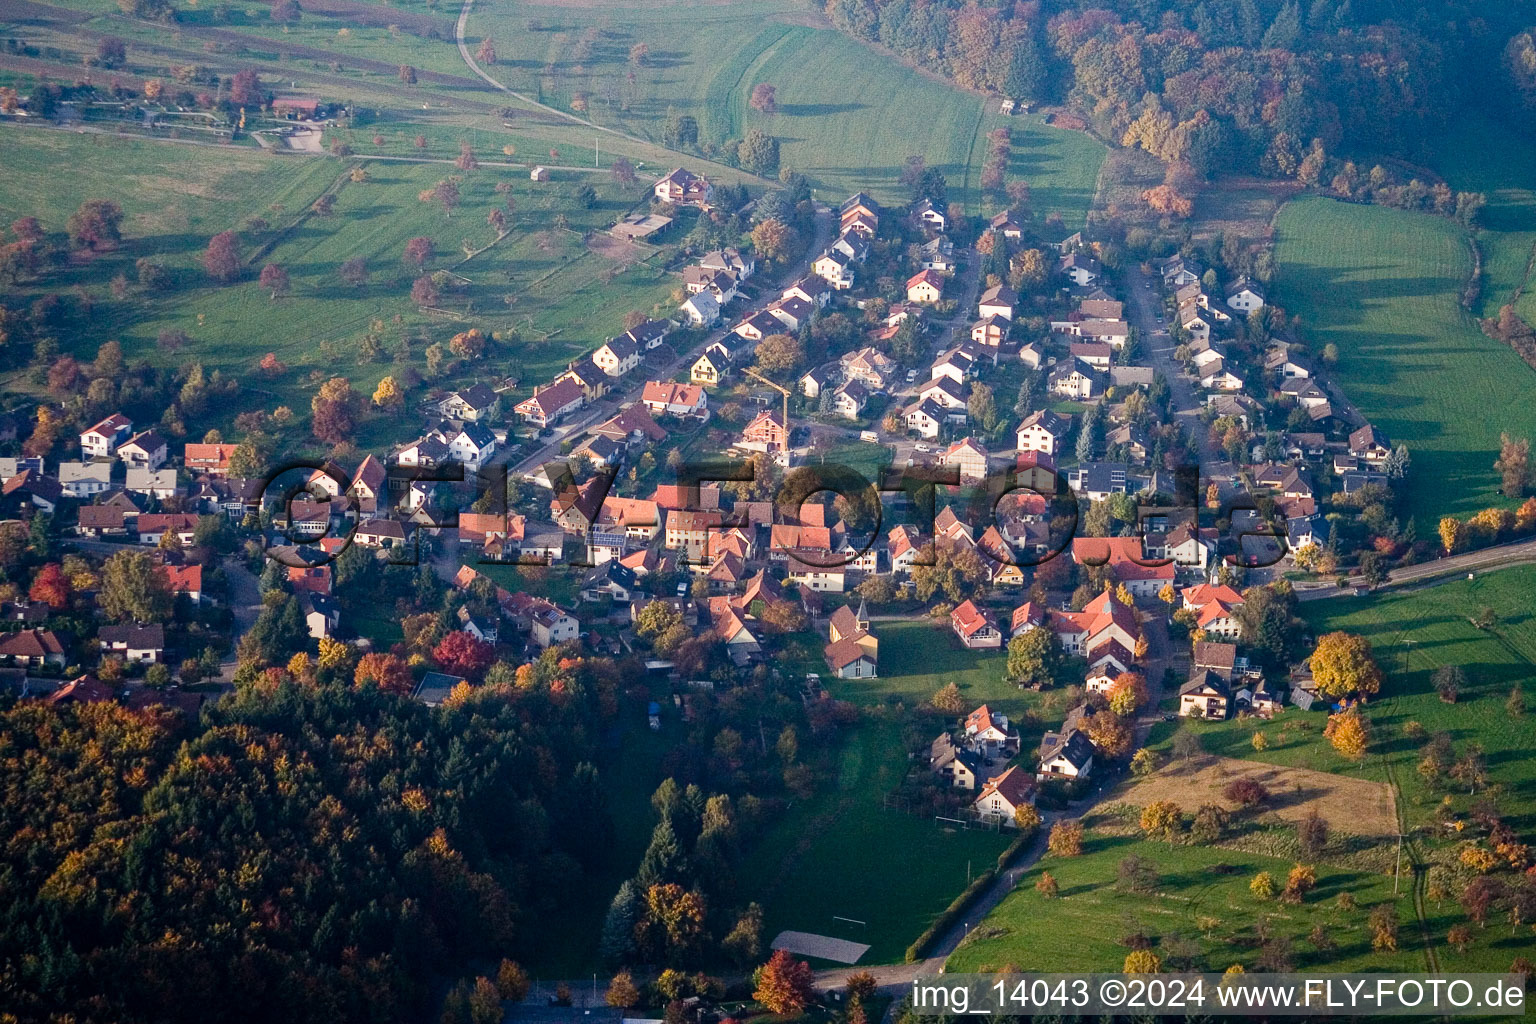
(549, 449)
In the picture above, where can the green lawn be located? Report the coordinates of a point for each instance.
(1412, 634)
(918, 657)
(837, 121)
(1383, 285)
(1477, 155)
(548, 294)
(842, 854)
(1081, 929)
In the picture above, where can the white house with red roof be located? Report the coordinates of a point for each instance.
(101, 441)
(1215, 606)
(669, 398)
(974, 627)
(1104, 632)
(1126, 560)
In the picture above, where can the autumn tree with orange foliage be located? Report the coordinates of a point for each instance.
(784, 984)
(388, 672)
(1163, 199)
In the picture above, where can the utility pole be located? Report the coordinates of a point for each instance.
(595, 161)
(1397, 872)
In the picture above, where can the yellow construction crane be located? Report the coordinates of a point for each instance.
(781, 389)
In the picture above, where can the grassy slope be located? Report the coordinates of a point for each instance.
(174, 204)
(1079, 930)
(842, 854)
(836, 121)
(1433, 623)
(1414, 633)
(1383, 285)
(1479, 156)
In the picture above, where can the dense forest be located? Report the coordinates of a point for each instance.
(1243, 87)
(308, 851)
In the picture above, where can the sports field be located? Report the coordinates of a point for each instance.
(1384, 285)
(838, 117)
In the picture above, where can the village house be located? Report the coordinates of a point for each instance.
(1075, 379)
(970, 457)
(667, 398)
(84, 479)
(159, 484)
(732, 261)
(1114, 333)
(1245, 296)
(1215, 606)
(758, 326)
(144, 450)
(1126, 561)
(766, 433)
(475, 404)
(975, 627)
(811, 288)
(990, 330)
(701, 309)
(859, 213)
(1007, 224)
(1104, 633)
(791, 311)
(926, 418)
(681, 187)
(925, 287)
(1080, 268)
(958, 766)
(207, 459)
(1067, 754)
(836, 267)
(617, 357)
(33, 649)
(927, 214)
(1001, 797)
(549, 405)
(1042, 431)
(850, 400)
(937, 254)
(101, 441)
(944, 392)
(998, 300)
(709, 370)
(1370, 445)
(185, 580)
(1205, 695)
(137, 645)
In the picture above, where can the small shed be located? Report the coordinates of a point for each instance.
(539, 174)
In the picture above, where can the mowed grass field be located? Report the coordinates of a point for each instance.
(1384, 286)
(847, 116)
(1082, 928)
(550, 294)
(842, 854)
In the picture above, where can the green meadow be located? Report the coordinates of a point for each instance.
(1384, 286)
